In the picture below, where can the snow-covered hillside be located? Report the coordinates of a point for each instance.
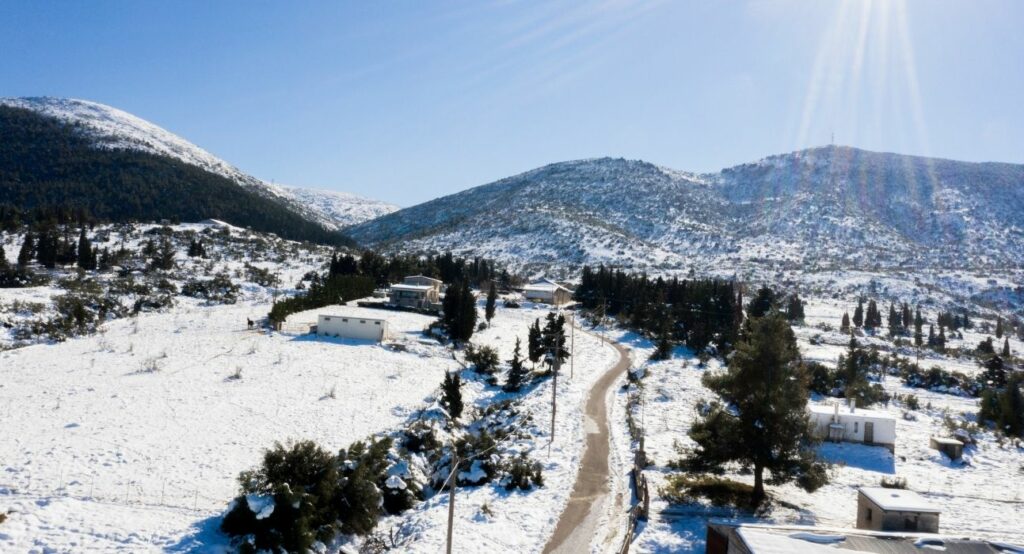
(828, 207)
(340, 208)
(114, 128)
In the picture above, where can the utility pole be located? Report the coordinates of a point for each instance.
(556, 365)
(451, 498)
(572, 346)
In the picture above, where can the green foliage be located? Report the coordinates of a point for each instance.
(314, 494)
(699, 312)
(459, 312)
(219, 290)
(484, 359)
(1005, 407)
(451, 394)
(516, 371)
(334, 290)
(763, 302)
(523, 474)
(761, 422)
(492, 299)
(685, 489)
(47, 163)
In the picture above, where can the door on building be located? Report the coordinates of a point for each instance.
(869, 432)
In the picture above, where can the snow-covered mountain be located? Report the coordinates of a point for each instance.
(341, 208)
(831, 207)
(116, 129)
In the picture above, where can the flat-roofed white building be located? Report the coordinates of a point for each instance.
(352, 327)
(882, 509)
(847, 424)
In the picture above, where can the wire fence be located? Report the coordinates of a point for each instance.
(97, 487)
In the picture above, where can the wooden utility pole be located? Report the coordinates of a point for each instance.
(451, 500)
(556, 365)
(572, 346)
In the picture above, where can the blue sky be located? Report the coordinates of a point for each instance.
(407, 101)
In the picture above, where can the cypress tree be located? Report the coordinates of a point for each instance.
(1006, 347)
(492, 299)
(534, 346)
(908, 318)
(999, 328)
(795, 309)
(940, 341)
(3, 257)
(858, 314)
(467, 314)
(451, 394)
(86, 257)
(761, 421)
(27, 251)
(516, 371)
(918, 327)
(845, 325)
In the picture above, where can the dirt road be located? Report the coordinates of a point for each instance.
(577, 525)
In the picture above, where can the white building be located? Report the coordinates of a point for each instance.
(848, 424)
(350, 327)
(882, 509)
(547, 292)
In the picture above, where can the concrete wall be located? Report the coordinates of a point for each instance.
(870, 516)
(351, 327)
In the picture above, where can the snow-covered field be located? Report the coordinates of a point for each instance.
(984, 497)
(519, 521)
(88, 419)
(101, 453)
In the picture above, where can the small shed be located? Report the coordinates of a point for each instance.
(883, 509)
(547, 291)
(849, 424)
(950, 447)
(352, 327)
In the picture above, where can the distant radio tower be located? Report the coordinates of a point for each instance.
(833, 138)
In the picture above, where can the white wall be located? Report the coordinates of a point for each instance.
(885, 428)
(348, 327)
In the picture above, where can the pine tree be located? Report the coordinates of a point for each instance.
(516, 371)
(845, 325)
(858, 314)
(492, 299)
(995, 372)
(1006, 347)
(762, 303)
(761, 422)
(553, 340)
(534, 344)
(27, 251)
(451, 394)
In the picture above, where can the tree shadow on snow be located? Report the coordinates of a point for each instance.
(204, 536)
(869, 458)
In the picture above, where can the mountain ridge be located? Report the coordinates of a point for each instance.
(112, 129)
(869, 209)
